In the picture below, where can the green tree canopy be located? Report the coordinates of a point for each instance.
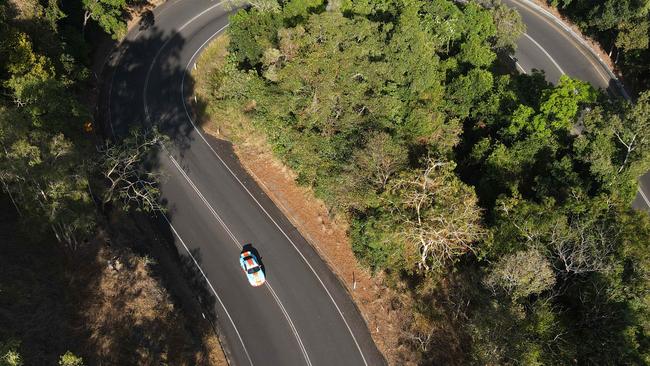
(108, 14)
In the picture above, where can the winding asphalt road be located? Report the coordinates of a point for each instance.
(548, 46)
(303, 316)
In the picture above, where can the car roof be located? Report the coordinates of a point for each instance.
(250, 262)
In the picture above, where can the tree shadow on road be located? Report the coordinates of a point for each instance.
(138, 93)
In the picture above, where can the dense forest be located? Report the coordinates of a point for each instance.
(494, 196)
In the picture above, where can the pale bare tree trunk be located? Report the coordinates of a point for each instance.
(11, 197)
(630, 147)
(83, 28)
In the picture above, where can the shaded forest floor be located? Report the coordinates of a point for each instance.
(108, 302)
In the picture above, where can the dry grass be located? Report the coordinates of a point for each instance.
(104, 302)
(222, 120)
(126, 313)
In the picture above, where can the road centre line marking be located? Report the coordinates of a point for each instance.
(211, 288)
(146, 110)
(109, 97)
(294, 330)
(286, 315)
(239, 247)
(365, 362)
(546, 53)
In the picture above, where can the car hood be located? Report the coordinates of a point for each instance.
(257, 278)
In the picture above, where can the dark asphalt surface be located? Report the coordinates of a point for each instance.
(303, 316)
(547, 46)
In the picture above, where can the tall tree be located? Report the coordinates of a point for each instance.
(616, 145)
(108, 14)
(438, 215)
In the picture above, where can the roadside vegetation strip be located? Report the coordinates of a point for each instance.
(118, 310)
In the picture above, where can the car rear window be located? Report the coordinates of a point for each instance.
(253, 269)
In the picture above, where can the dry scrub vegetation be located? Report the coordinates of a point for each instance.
(126, 310)
(104, 303)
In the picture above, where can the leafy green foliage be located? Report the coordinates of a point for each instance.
(521, 274)
(344, 97)
(40, 167)
(615, 145)
(108, 14)
(592, 246)
(69, 359)
(558, 108)
(9, 355)
(52, 191)
(437, 214)
(252, 33)
(508, 23)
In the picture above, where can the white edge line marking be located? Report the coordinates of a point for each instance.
(645, 198)
(520, 68)
(518, 65)
(211, 288)
(259, 204)
(546, 53)
(239, 247)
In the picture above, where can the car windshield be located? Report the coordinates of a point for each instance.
(253, 269)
